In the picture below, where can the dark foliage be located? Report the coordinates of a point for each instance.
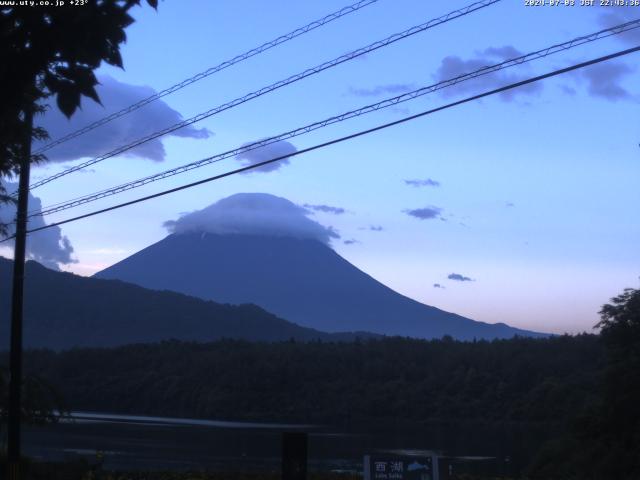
(604, 442)
(46, 51)
(41, 403)
(390, 381)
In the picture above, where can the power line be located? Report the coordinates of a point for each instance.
(346, 138)
(277, 85)
(342, 117)
(210, 71)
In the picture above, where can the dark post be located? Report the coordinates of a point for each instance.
(294, 456)
(15, 356)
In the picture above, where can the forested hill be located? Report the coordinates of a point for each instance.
(63, 310)
(395, 380)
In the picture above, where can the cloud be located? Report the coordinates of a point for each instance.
(453, 66)
(393, 89)
(267, 152)
(400, 110)
(427, 213)
(610, 17)
(503, 53)
(48, 247)
(351, 241)
(603, 80)
(115, 96)
(325, 209)
(437, 285)
(428, 182)
(509, 204)
(84, 170)
(568, 90)
(253, 214)
(373, 228)
(459, 278)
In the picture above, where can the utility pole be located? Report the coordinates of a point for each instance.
(294, 455)
(15, 356)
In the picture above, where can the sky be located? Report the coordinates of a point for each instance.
(519, 208)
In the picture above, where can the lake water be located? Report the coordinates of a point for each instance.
(151, 443)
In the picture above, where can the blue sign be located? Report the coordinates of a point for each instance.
(399, 468)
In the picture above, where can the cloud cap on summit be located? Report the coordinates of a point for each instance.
(253, 214)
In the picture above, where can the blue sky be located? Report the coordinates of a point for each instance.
(537, 192)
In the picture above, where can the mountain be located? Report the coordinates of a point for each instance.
(302, 280)
(63, 310)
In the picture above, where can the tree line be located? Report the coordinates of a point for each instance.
(584, 389)
(387, 381)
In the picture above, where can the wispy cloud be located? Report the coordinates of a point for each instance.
(427, 182)
(325, 209)
(427, 213)
(459, 278)
(391, 89)
(566, 89)
(84, 170)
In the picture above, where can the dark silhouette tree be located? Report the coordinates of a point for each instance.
(42, 404)
(620, 431)
(604, 441)
(45, 51)
(53, 52)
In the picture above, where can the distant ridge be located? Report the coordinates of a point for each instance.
(302, 280)
(63, 310)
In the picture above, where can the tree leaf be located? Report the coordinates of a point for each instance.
(51, 82)
(68, 100)
(92, 94)
(113, 57)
